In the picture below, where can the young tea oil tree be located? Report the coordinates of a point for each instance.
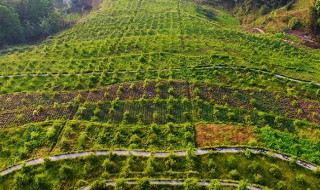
(121, 185)
(191, 184)
(150, 167)
(215, 185)
(143, 184)
(66, 173)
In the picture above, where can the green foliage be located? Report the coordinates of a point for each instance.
(11, 29)
(215, 185)
(21, 180)
(42, 181)
(191, 184)
(295, 24)
(143, 184)
(121, 184)
(66, 173)
(98, 185)
(120, 45)
(242, 185)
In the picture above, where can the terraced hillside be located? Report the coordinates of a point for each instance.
(157, 94)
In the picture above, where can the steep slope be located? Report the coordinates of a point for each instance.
(170, 90)
(172, 34)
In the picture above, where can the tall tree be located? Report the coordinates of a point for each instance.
(10, 27)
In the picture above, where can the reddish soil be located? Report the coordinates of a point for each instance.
(307, 39)
(295, 32)
(221, 134)
(22, 100)
(11, 118)
(23, 103)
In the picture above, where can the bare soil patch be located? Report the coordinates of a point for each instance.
(222, 134)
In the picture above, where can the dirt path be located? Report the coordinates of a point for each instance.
(258, 30)
(165, 70)
(158, 154)
(181, 183)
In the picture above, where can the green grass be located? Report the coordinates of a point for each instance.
(128, 76)
(120, 33)
(256, 169)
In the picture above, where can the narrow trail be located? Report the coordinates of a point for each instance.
(160, 155)
(165, 70)
(181, 183)
(259, 30)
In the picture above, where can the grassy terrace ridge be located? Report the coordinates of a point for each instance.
(58, 137)
(176, 184)
(77, 172)
(247, 151)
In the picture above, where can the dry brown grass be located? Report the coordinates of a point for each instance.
(223, 134)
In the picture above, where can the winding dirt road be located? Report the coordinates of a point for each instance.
(164, 70)
(180, 183)
(159, 154)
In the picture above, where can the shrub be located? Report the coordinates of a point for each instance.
(98, 185)
(143, 184)
(65, 172)
(258, 178)
(149, 169)
(242, 185)
(133, 86)
(120, 184)
(294, 103)
(43, 182)
(263, 10)
(247, 153)
(234, 174)
(317, 171)
(20, 117)
(82, 140)
(301, 179)
(81, 183)
(21, 180)
(294, 23)
(191, 184)
(253, 101)
(281, 185)
(231, 162)
(275, 171)
(254, 167)
(169, 164)
(215, 185)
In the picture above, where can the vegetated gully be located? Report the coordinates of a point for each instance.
(163, 70)
(39, 161)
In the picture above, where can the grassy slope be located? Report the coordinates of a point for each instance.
(108, 37)
(144, 35)
(253, 168)
(278, 19)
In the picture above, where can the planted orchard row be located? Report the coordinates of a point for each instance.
(135, 27)
(257, 169)
(180, 111)
(39, 140)
(236, 77)
(30, 141)
(154, 110)
(266, 101)
(20, 117)
(40, 100)
(78, 136)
